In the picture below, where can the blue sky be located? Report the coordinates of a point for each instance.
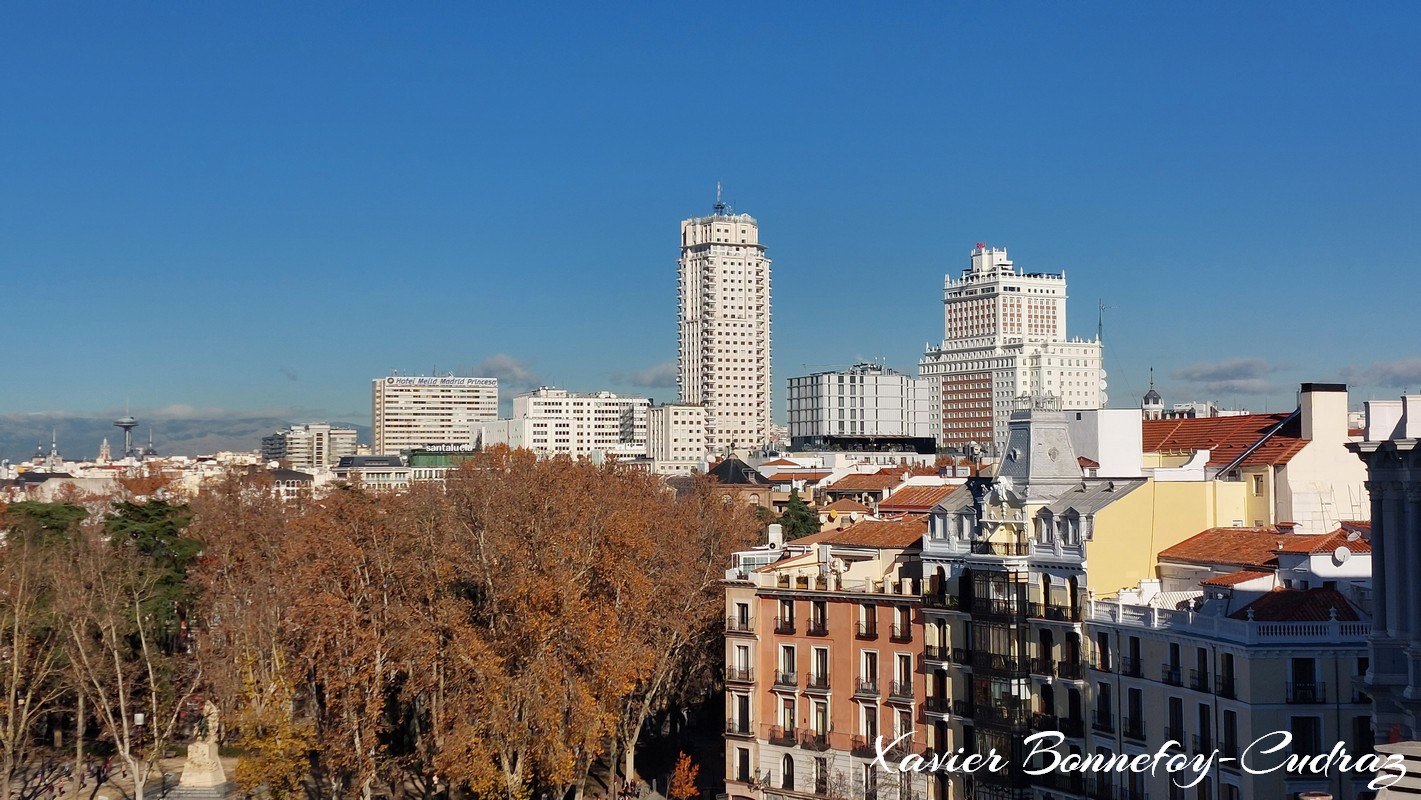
(225, 208)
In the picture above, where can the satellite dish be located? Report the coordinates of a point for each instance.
(1341, 554)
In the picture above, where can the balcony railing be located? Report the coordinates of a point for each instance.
(783, 625)
(1104, 721)
(1133, 728)
(868, 630)
(989, 548)
(1043, 666)
(945, 602)
(786, 678)
(998, 607)
(964, 708)
(961, 655)
(737, 625)
(861, 746)
(1199, 680)
(1225, 687)
(1100, 662)
(817, 627)
(1073, 727)
(738, 727)
(1130, 667)
(1310, 692)
(1201, 744)
(814, 740)
(901, 690)
(998, 663)
(739, 675)
(866, 687)
(1170, 674)
(937, 652)
(1054, 613)
(782, 736)
(1045, 722)
(939, 705)
(901, 633)
(819, 683)
(1011, 714)
(1070, 670)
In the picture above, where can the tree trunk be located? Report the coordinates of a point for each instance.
(78, 747)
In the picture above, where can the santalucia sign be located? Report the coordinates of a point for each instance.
(1264, 755)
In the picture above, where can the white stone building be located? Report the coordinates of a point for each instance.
(724, 348)
(313, 446)
(675, 438)
(417, 412)
(866, 403)
(558, 422)
(1004, 336)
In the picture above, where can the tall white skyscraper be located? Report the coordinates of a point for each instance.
(1004, 341)
(725, 327)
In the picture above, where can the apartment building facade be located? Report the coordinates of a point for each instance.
(823, 657)
(429, 412)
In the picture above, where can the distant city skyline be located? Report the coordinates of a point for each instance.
(224, 215)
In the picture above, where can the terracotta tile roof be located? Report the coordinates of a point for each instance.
(1246, 547)
(846, 506)
(1227, 437)
(1235, 578)
(786, 477)
(898, 533)
(780, 462)
(920, 471)
(1356, 433)
(1293, 605)
(1087, 463)
(1323, 543)
(875, 482)
(915, 498)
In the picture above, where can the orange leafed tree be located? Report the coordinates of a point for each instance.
(683, 779)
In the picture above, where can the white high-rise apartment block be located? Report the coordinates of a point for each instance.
(416, 412)
(675, 438)
(313, 446)
(1004, 338)
(581, 423)
(724, 349)
(865, 403)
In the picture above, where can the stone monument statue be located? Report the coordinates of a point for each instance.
(203, 769)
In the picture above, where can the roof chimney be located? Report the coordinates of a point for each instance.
(1323, 409)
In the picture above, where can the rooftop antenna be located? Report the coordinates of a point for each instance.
(720, 206)
(1100, 322)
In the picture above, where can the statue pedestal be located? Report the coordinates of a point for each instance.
(203, 777)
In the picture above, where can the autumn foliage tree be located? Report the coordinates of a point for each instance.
(683, 779)
(495, 635)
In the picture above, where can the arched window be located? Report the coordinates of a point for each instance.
(788, 771)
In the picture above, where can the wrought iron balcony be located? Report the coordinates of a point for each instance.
(964, 708)
(817, 683)
(737, 625)
(817, 627)
(900, 690)
(814, 740)
(937, 652)
(1224, 686)
(1070, 670)
(866, 687)
(901, 633)
(1104, 721)
(868, 630)
(1130, 667)
(1169, 673)
(782, 736)
(1133, 728)
(1199, 680)
(739, 675)
(790, 679)
(783, 625)
(738, 727)
(1310, 692)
